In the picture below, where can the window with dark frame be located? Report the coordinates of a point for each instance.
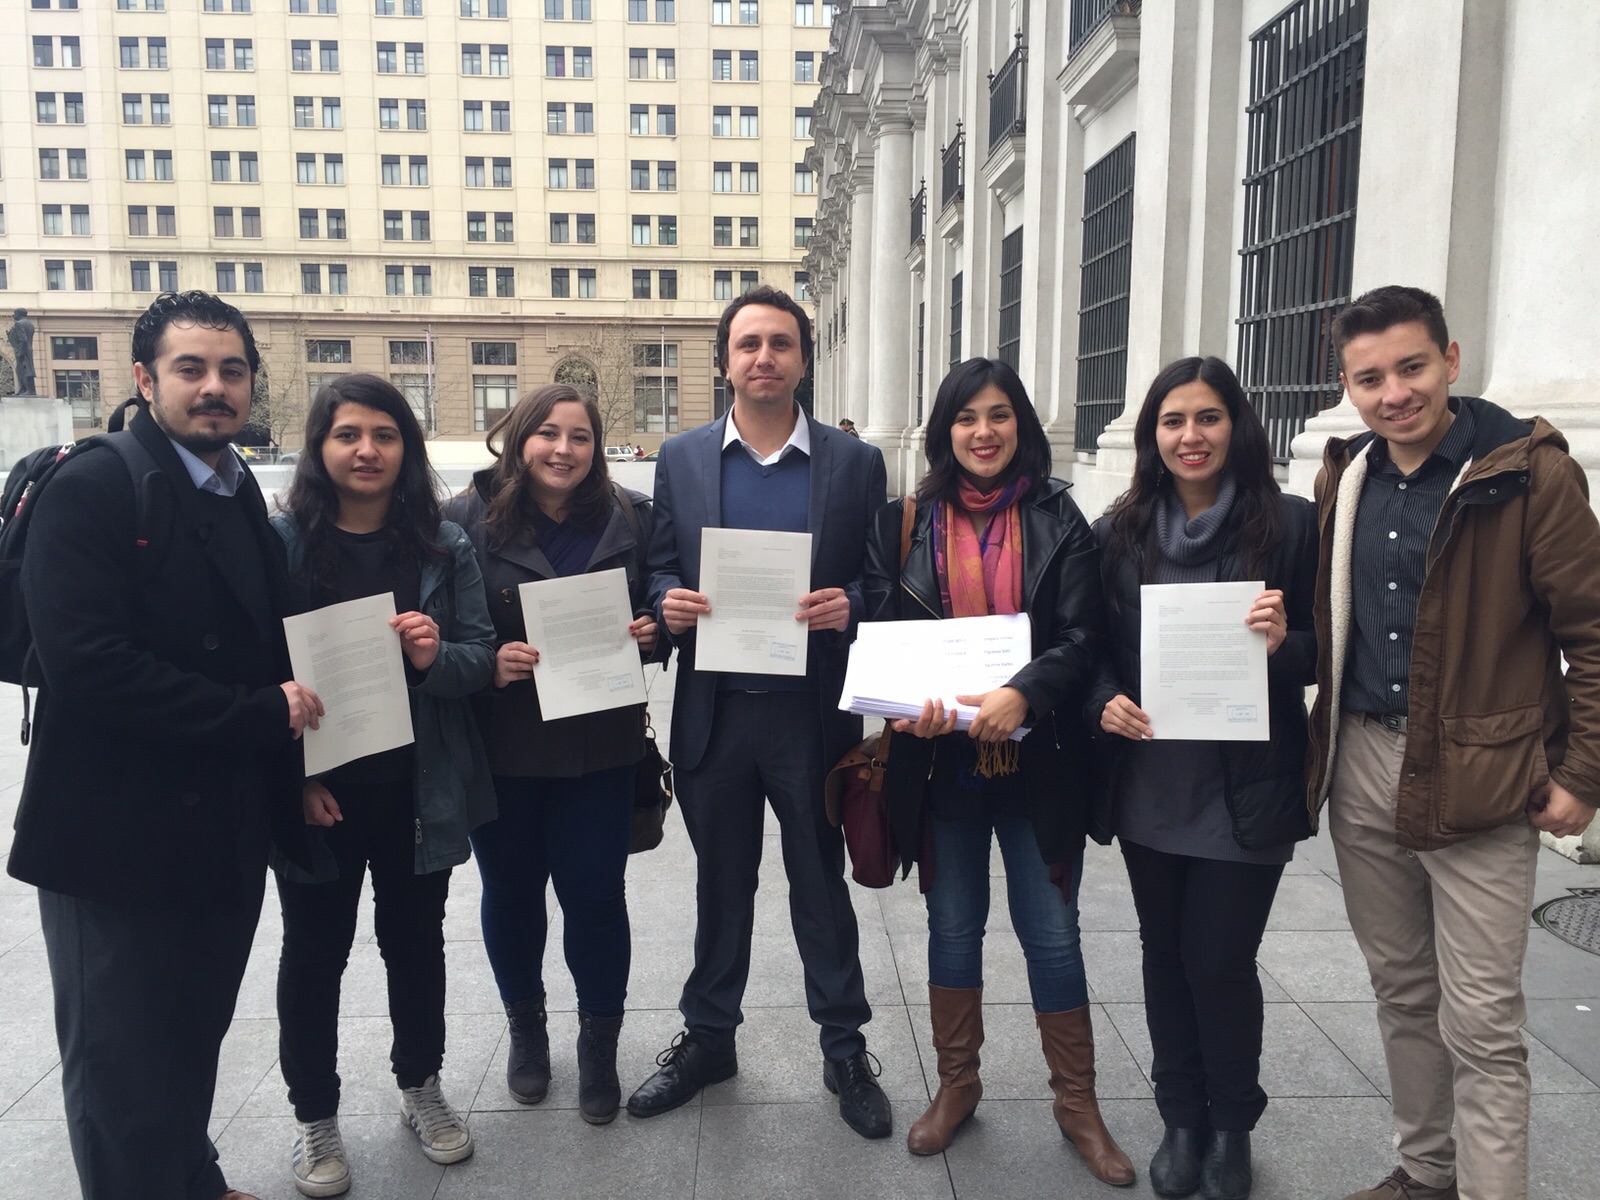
(955, 318)
(1104, 274)
(1303, 153)
(1009, 349)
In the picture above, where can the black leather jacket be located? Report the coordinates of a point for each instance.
(1263, 782)
(1062, 597)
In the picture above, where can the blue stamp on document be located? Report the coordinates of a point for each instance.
(782, 651)
(1240, 714)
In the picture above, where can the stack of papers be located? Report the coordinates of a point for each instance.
(897, 666)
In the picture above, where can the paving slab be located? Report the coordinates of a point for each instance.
(773, 1132)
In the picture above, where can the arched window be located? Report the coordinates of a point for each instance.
(579, 374)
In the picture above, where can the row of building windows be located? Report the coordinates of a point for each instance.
(723, 12)
(244, 166)
(393, 58)
(330, 223)
(333, 279)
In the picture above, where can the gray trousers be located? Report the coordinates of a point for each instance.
(767, 746)
(1444, 933)
(143, 998)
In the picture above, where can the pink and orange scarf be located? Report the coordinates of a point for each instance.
(980, 574)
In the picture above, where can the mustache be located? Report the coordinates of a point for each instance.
(208, 408)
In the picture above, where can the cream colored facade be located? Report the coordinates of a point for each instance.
(478, 261)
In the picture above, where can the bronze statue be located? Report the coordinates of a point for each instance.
(20, 335)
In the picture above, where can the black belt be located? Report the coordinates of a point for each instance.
(1393, 722)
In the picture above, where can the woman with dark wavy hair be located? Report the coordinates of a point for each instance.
(1205, 827)
(548, 509)
(994, 533)
(361, 518)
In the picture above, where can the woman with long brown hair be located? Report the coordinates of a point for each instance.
(1205, 827)
(548, 509)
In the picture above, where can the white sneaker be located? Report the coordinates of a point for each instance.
(444, 1135)
(320, 1168)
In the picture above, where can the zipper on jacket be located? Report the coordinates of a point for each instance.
(906, 587)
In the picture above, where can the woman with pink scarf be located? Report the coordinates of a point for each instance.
(993, 533)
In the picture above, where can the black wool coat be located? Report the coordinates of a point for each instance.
(155, 773)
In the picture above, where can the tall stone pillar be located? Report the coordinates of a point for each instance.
(888, 322)
(858, 299)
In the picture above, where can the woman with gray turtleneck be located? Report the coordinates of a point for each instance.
(1205, 827)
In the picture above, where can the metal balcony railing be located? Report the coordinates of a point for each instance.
(953, 185)
(1008, 96)
(919, 214)
(1089, 15)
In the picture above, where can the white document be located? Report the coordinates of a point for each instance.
(896, 666)
(1203, 671)
(588, 661)
(753, 579)
(347, 654)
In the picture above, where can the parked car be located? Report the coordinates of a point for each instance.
(620, 453)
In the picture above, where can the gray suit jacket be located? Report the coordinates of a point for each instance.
(848, 484)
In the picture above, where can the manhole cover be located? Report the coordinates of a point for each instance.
(1574, 919)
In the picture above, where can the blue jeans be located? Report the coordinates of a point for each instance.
(958, 909)
(574, 832)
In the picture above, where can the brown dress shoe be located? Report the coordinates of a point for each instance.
(957, 1016)
(1400, 1186)
(1068, 1039)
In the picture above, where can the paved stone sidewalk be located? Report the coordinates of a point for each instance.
(772, 1132)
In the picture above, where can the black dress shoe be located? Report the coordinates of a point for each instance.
(862, 1103)
(686, 1067)
(1175, 1169)
(1225, 1171)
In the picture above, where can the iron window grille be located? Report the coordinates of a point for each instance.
(1307, 70)
(955, 318)
(1104, 274)
(1010, 347)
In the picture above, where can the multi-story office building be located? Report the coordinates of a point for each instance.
(472, 197)
(1092, 188)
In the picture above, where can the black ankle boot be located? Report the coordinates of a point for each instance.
(1175, 1169)
(1225, 1171)
(599, 1093)
(528, 1064)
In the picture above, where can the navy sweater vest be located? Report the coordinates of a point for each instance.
(776, 497)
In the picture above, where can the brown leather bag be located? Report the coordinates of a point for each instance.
(853, 789)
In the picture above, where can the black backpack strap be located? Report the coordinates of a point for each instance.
(146, 475)
(630, 514)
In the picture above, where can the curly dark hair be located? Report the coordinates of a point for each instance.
(512, 504)
(413, 517)
(1257, 516)
(188, 308)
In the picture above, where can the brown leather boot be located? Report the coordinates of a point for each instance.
(957, 1015)
(1068, 1040)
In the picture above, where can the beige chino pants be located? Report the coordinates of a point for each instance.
(1444, 933)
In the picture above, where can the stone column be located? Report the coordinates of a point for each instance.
(888, 403)
(858, 296)
(1162, 226)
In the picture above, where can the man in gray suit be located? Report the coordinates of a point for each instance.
(739, 740)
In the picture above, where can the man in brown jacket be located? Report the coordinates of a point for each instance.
(1460, 561)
